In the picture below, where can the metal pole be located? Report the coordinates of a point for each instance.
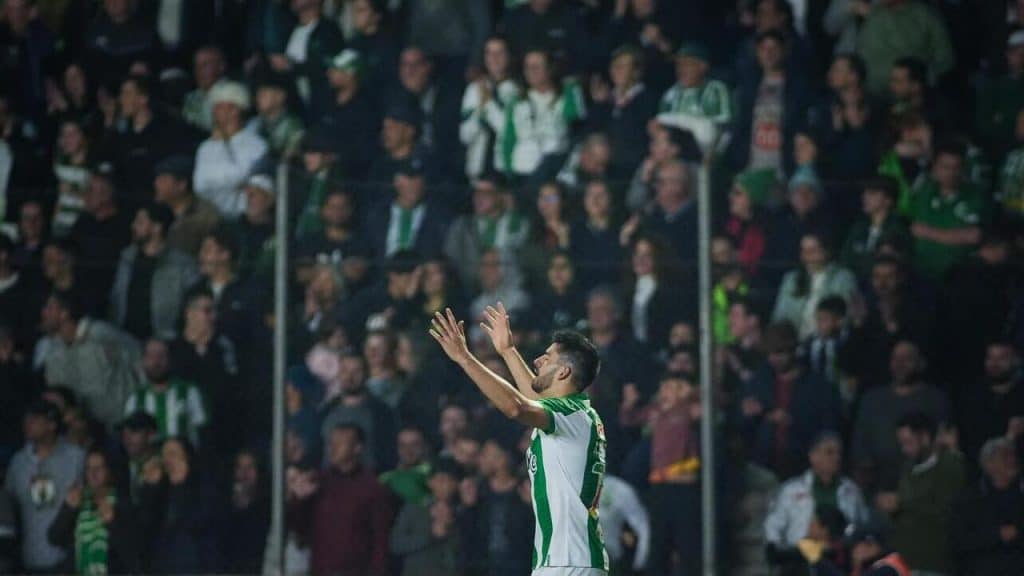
(707, 421)
(277, 531)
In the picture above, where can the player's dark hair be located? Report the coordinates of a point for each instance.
(581, 354)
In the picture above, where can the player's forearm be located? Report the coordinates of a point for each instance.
(520, 370)
(500, 392)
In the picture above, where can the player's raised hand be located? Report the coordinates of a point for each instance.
(450, 334)
(498, 326)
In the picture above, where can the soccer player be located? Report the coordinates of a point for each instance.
(567, 450)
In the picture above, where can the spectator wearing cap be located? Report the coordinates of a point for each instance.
(535, 137)
(115, 40)
(425, 535)
(1000, 100)
(876, 450)
(773, 102)
(623, 110)
(92, 358)
(492, 225)
(483, 107)
(993, 405)
(695, 102)
(226, 159)
(921, 510)
(137, 435)
(152, 277)
(883, 40)
(821, 486)
(256, 238)
(411, 220)
(194, 216)
(208, 70)
(879, 224)
(990, 516)
(147, 136)
(72, 160)
(785, 407)
(175, 404)
(100, 233)
(947, 214)
(274, 122)
(39, 478)
(311, 42)
(352, 116)
(420, 82)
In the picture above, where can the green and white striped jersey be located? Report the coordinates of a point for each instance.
(178, 409)
(710, 100)
(566, 465)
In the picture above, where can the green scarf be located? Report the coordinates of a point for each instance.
(91, 538)
(405, 218)
(487, 230)
(309, 221)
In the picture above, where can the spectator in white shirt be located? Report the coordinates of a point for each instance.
(227, 158)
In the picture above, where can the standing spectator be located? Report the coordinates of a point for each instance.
(409, 481)
(353, 112)
(90, 357)
(116, 40)
(483, 108)
(922, 508)
(623, 109)
(194, 216)
(71, 166)
(990, 515)
(593, 242)
(219, 263)
(100, 233)
(343, 511)
(383, 379)
(1000, 101)
(850, 131)
(993, 406)
(496, 286)
(558, 305)
(357, 407)
(19, 306)
(746, 225)
(549, 25)
(909, 94)
(420, 85)
(395, 301)
(312, 41)
(654, 291)
(138, 442)
(318, 173)
(208, 70)
(39, 479)
(248, 518)
(826, 352)
(674, 213)
(152, 278)
(785, 407)
(376, 41)
(32, 235)
(817, 278)
(879, 224)
(821, 486)
(452, 32)
(226, 159)
(883, 40)
(29, 45)
(274, 121)
(424, 535)
(876, 452)
(411, 221)
(256, 229)
(175, 404)
(947, 214)
(621, 508)
(696, 103)
(400, 131)
(667, 143)
(97, 524)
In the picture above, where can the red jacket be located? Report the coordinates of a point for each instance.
(347, 523)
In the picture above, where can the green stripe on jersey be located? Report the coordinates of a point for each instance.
(540, 498)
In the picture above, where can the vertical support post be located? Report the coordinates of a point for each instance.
(707, 422)
(275, 549)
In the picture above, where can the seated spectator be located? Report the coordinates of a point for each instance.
(228, 156)
(319, 172)
(91, 357)
(115, 40)
(8, 533)
(97, 524)
(594, 240)
(622, 110)
(821, 486)
(256, 229)
(323, 296)
(219, 262)
(410, 480)
(998, 102)
(152, 278)
(72, 164)
(355, 405)
(38, 479)
(411, 221)
(987, 524)
(208, 70)
(352, 110)
(492, 225)
(274, 122)
(248, 519)
(817, 278)
(654, 290)
(558, 304)
(673, 215)
(343, 511)
(495, 286)
(785, 407)
(696, 103)
(921, 510)
(850, 129)
(32, 234)
(994, 405)
(667, 143)
(400, 131)
(425, 536)
(742, 358)
(882, 41)
(99, 234)
(547, 25)
(339, 241)
(138, 433)
(395, 301)
(194, 216)
(876, 451)
(312, 40)
(383, 379)
(946, 215)
(909, 94)
(483, 108)
(746, 225)
(880, 223)
(622, 510)
(826, 352)
(176, 404)
(590, 160)
(535, 138)
(420, 84)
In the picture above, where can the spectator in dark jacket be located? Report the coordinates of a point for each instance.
(100, 234)
(356, 406)
(312, 41)
(411, 221)
(244, 533)
(425, 535)
(623, 109)
(991, 515)
(116, 40)
(549, 25)
(26, 44)
(343, 511)
(994, 405)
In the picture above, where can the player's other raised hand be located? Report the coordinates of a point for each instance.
(498, 326)
(450, 334)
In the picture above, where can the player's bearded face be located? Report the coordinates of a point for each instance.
(545, 378)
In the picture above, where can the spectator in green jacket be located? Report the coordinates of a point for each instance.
(886, 36)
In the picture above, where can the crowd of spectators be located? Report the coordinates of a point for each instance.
(866, 166)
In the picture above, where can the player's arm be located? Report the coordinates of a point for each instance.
(450, 334)
(499, 328)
